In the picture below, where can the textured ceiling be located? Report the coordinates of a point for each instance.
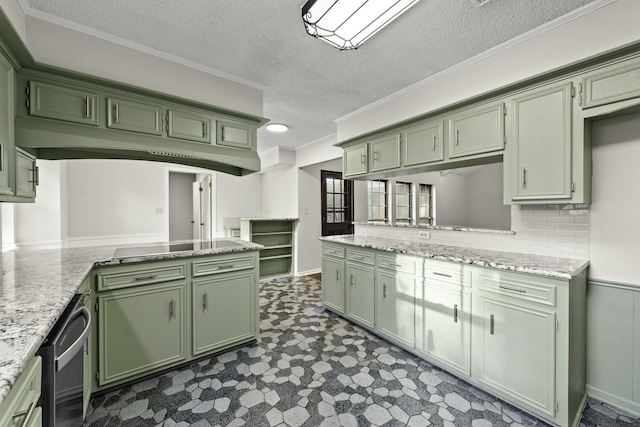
(307, 83)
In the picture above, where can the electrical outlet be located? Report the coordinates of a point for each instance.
(159, 211)
(424, 235)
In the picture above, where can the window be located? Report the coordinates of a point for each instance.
(377, 200)
(337, 204)
(425, 204)
(403, 202)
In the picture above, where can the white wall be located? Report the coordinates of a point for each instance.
(280, 197)
(15, 14)
(237, 196)
(485, 208)
(181, 205)
(607, 26)
(115, 200)
(310, 214)
(615, 230)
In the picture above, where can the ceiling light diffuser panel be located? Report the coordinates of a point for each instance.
(346, 24)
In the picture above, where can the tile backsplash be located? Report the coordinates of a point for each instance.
(551, 230)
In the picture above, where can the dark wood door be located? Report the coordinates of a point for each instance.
(337, 204)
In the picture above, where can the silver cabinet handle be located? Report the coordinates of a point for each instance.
(434, 142)
(140, 278)
(86, 107)
(36, 175)
(171, 309)
(116, 112)
(524, 178)
(375, 156)
(388, 264)
(226, 267)
(441, 274)
(384, 290)
(491, 324)
(455, 313)
(204, 129)
(352, 280)
(363, 159)
(357, 257)
(457, 137)
(204, 301)
(337, 275)
(508, 288)
(29, 413)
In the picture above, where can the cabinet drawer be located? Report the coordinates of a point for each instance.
(123, 277)
(333, 250)
(361, 256)
(63, 103)
(189, 125)
(446, 274)
(221, 265)
(399, 263)
(19, 407)
(134, 116)
(533, 289)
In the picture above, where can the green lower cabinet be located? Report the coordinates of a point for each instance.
(88, 375)
(443, 327)
(223, 311)
(516, 352)
(140, 330)
(333, 284)
(396, 307)
(19, 408)
(361, 294)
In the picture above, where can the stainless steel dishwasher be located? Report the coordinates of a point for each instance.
(62, 367)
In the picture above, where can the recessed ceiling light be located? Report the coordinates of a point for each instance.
(277, 127)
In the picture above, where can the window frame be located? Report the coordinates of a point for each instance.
(371, 205)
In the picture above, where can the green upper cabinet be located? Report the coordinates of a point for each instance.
(541, 129)
(7, 91)
(134, 116)
(614, 83)
(235, 134)
(189, 125)
(384, 153)
(223, 311)
(141, 329)
(60, 102)
(354, 160)
(423, 143)
(27, 175)
(476, 130)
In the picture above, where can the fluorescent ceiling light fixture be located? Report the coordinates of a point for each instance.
(346, 24)
(277, 127)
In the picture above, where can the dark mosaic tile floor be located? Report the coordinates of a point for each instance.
(312, 368)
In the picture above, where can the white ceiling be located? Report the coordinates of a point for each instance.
(307, 83)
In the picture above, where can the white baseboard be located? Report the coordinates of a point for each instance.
(305, 273)
(40, 245)
(73, 242)
(619, 402)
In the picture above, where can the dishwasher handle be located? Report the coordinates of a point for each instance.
(62, 360)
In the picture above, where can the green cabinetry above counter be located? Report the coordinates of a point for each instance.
(476, 130)
(62, 102)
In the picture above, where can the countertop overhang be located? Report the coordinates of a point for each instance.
(559, 268)
(37, 285)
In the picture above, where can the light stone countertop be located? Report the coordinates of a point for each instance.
(560, 268)
(438, 227)
(267, 219)
(38, 284)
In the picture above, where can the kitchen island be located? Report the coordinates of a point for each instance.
(37, 285)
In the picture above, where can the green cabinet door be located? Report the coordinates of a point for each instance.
(354, 160)
(7, 91)
(384, 153)
(361, 294)
(26, 175)
(517, 352)
(141, 330)
(224, 310)
(396, 307)
(541, 138)
(88, 370)
(63, 103)
(443, 327)
(617, 82)
(333, 284)
(235, 134)
(476, 130)
(423, 143)
(189, 125)
(134, 116)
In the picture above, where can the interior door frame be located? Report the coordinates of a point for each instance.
(191, 170)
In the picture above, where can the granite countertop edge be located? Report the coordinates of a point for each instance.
(558, 268)
(438, 227)
(24, 324)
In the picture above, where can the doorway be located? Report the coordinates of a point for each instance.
(337, 204)
(190, 206)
